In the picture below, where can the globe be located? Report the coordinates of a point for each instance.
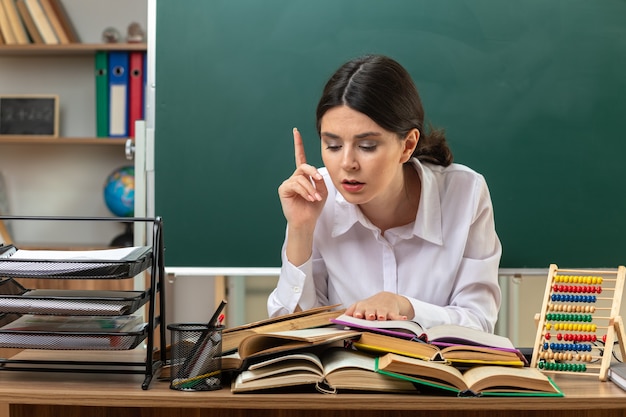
(119, 191)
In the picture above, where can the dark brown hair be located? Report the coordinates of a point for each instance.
(383, 90)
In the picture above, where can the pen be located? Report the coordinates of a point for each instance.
(217, 313)
(185, 382)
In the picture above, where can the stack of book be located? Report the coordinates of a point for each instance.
(35, 21)
(382, 356)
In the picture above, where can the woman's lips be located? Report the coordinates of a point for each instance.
(352, 186)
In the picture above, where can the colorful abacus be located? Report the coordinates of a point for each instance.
(577, 327)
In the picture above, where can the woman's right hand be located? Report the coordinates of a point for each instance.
(302, 195)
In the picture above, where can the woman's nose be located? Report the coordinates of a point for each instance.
(348, 161)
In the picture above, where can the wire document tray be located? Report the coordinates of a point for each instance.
(14, 298)
(74, 311)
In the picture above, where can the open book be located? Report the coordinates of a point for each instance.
(457, 355)
(442, 336)
(488, 380)
(315, 317)
(334, 369)
(260, 344)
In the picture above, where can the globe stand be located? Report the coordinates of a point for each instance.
(125, 239)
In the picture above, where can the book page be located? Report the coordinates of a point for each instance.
(340, 358)
(262, 343)
(400, 328)
(452, 334)
(301, 361)
(483, 378)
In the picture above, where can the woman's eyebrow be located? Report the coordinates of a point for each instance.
(330, 135)
(357, 136)
(367, 134)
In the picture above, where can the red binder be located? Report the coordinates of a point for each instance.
(136, 85)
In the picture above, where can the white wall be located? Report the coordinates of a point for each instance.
(67, 179)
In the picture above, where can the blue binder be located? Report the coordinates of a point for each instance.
(118, 94)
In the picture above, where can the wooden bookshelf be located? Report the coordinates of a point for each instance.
(46, 140)
(68, 49)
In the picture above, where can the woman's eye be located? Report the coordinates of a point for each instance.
(333, 147)
(368, 147)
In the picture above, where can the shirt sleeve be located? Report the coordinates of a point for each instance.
(295, 288)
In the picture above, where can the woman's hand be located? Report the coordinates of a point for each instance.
(302, 195)
(382, 306)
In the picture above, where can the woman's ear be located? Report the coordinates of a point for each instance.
(410, 143)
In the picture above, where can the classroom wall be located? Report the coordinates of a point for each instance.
(59, 180)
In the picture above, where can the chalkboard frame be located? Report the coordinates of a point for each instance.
(47, 104)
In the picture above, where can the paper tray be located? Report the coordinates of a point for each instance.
(75, 268)
(14, 298)
(70, 340)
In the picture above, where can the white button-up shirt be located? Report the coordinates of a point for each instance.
(445, 263)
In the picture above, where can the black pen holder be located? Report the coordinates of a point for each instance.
(196, 357)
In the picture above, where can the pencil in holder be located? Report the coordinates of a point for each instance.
(196, 357)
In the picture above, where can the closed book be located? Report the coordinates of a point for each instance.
(136, 85)
(66, 22)
(15, 21)
(617, 374)
(42, 22)
(101, 62)
(55, 22)
(29, 23)
(118, 94)
(5, 27)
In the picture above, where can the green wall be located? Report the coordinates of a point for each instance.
(532, 94)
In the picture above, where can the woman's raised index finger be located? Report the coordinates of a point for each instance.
(298, 147)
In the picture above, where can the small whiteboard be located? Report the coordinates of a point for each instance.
(29, 115)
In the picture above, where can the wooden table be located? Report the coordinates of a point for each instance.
(73, 395)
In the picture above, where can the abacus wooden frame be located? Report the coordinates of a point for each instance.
(615, 328)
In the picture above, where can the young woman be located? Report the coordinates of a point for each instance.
(390, 228)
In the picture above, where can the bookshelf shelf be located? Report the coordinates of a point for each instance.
(44, 140)
(68, 49)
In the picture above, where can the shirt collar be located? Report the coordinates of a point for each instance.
(427, 222)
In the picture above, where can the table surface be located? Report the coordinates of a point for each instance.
(582, 392)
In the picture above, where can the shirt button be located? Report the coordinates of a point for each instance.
(296, 289)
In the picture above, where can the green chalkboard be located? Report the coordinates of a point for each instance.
(532, 95)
